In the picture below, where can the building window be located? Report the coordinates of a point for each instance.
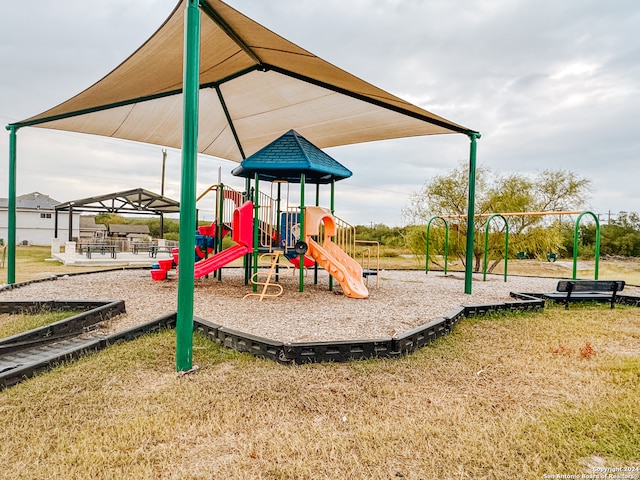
(45, 215)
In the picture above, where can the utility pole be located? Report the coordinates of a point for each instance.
(164, 164)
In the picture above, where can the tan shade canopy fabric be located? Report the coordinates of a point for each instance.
(254, 85)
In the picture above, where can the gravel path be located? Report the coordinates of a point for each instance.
(403, 300)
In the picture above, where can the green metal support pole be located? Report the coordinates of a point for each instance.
(471, 211)
(191, 84)
(315, 267)
(246, 260)
(278, 243)
(219, 225)
(576, 233)
(332, 206)
(302, 232)
(278, 215)
(11, 224)
(332, 200)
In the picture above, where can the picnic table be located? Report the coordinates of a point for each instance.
(138, 247)
(103, 249)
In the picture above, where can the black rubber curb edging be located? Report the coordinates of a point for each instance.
(96, 312)
(297, 352)
(348, 350)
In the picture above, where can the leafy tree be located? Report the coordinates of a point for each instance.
(547, 191)
(387, 236)
(171, 226)
(110, 218)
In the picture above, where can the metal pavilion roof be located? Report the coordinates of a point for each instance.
(138, 201)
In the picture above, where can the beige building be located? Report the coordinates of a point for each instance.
(35, 219)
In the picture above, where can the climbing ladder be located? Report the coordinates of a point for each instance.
(273, 263)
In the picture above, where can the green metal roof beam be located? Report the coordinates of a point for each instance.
(229, 120)
(213, 15)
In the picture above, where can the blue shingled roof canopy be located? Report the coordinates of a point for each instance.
(289, 156)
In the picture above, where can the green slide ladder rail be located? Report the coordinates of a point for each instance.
(486, 245)
(575, 244)
(302, 233)
(446, 243)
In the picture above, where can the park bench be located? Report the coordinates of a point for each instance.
(596, 290)
(154, 250)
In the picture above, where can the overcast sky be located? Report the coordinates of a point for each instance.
(548, 84)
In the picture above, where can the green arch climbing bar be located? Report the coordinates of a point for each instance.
(575, 244)
(486, 245)
(446, 243)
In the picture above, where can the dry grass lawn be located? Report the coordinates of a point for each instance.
(502, 397)
(31, 264)
(12, 324)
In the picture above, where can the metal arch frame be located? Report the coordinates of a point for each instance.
(576, 233)
(486, 245)
(446, 243)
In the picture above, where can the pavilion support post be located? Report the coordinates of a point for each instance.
(11, 223)
(70, 224)
(191, 83)
(468, 268)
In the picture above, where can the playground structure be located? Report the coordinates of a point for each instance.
(276, 231)
(307, 236)
(278, 234)
(280, 226)
(503, 216)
